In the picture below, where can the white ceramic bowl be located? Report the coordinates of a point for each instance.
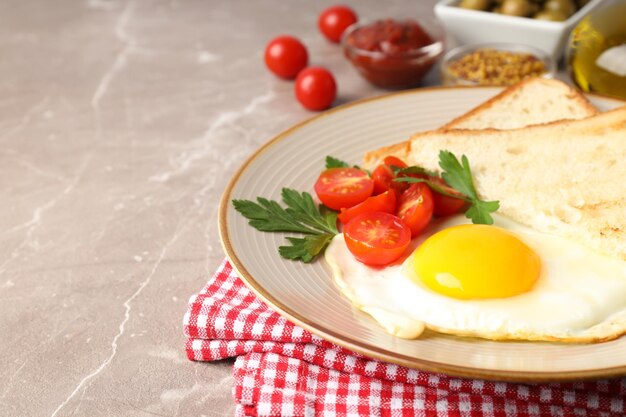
(473, 26)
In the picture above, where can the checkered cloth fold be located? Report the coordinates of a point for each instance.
(282, 370)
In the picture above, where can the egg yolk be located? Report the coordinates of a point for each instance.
(476, 261)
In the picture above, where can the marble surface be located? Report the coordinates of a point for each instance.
(121, 123)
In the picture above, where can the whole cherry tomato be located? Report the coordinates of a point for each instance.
(286, 56)
(377, 238)
(385, 202)
(415, 207)
(335, 20)
(315, 88)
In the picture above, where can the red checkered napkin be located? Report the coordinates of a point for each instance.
(283, 370)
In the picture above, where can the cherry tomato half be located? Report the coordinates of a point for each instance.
(315, 88)
(335, 20)
(377, 238)
(286, 56)
(339, 188)
(394, 161)
(415, 207)
(445, 205)
(384, 178)
(385, 202)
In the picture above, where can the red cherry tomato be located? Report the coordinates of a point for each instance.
(286, 56)
(385, 202)
(339, 188)
(445, 205)
(394, 161)
(377, 238)
(315, 88)
(335, 20)
(415, 207)
(384, 178)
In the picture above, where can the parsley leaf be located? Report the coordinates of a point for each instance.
(301, 215)
(458, 175)
(269, 216)
(305, 249)
(435, 186)
(302, 208)
(332, 162)
(480, 211)
(414, 170)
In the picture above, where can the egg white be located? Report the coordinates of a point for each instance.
(579, 297)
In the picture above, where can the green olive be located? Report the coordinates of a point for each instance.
(550, 15)
(516, 7)
(566, 7)
(475, 4)
(534, 8)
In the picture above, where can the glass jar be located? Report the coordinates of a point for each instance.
(596, 53)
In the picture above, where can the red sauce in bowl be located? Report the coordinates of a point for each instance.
(392, 53)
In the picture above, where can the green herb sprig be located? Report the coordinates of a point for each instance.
(302, 215)
(458, 175)
(332, 162)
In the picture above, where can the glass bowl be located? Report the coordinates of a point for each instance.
(495, 64)
(380, 54)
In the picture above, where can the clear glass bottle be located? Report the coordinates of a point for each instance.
(596, 53)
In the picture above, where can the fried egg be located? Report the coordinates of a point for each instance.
(500, 282)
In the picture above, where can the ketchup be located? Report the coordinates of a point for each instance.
(392, 53)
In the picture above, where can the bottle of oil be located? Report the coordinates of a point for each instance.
(596, 55)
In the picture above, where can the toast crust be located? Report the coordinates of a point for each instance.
(373, 158)
(593, 125)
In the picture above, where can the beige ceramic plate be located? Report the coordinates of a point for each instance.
(306, 294)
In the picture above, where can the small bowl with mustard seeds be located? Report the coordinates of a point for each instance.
(495, 64)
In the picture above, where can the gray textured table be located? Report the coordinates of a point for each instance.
(120, 125)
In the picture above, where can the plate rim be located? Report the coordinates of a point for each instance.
(369, 350)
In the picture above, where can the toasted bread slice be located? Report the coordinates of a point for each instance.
(533, 101)
(565, 178)
(530, 102)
